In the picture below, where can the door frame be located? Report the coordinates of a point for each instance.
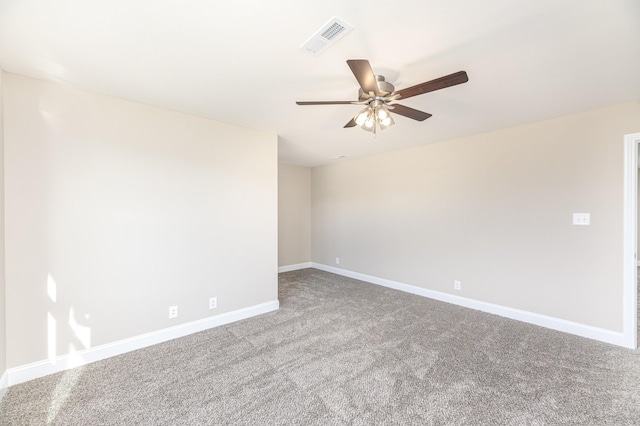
(630, 240)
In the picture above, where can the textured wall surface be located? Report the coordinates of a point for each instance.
(117, 210)
(492, 210)
(294, 215)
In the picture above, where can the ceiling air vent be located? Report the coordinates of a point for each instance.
(330, 33)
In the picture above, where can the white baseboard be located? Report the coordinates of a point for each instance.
(295, 267)
(4, 384)
(595, 333)
(43, 368)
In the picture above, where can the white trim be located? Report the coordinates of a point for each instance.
(4, 384)
(43, 368)
(578, 329)
(295, 267)
(630, 236)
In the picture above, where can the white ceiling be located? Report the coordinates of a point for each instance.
(239, 61)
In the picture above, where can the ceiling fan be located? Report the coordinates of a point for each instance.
(380, 96)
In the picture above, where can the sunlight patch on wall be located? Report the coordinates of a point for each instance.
(82, 333)
(51, 337)
(52, 292)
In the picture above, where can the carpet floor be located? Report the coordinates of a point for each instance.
(343, 352)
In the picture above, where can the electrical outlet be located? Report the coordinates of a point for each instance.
(173, 311)
(583, 219)
(457, 285)
(337, 260)
(213, 302)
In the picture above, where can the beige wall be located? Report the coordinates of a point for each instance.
(3, 339)
(492, 210)
(294, 215)
(116, 210)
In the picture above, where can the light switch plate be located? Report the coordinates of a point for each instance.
(582, 219)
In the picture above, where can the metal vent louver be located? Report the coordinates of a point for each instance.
(330, 33)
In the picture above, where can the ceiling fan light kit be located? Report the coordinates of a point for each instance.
(374, 116)
(380, 96)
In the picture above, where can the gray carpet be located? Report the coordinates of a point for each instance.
(343, 352)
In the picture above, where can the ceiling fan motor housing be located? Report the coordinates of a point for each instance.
(384, 88)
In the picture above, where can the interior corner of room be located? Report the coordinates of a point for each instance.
(485, 221)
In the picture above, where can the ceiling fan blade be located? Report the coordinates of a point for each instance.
(323, 102)
(352, 123)
(410, 112)
(437, 84)
(361, 69)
